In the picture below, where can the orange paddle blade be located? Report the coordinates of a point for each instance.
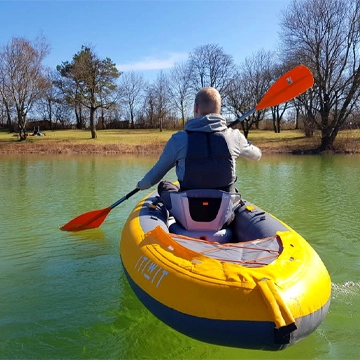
(287, 87)
(95, 218)
(89, 220)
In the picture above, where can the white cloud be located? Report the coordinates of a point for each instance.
(150, 63)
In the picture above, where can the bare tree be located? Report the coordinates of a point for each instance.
(156, 110)
(325, 36)
(237, 100)
(180, 88)
(63, 113)
(211, 66)
(149, 109)
(161, 90)
(47, 106)
(248, 86)
(22, 77)
(7, 103)
(131, 91)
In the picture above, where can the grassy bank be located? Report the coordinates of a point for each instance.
(153, 141)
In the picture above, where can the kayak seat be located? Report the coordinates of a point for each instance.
(204, 209)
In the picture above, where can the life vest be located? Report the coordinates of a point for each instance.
(208, 162)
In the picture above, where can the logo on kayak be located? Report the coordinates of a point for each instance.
(150, 270)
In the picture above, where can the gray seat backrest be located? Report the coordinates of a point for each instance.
(203, 209)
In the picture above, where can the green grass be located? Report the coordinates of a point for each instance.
(128, 137)
(286, 141)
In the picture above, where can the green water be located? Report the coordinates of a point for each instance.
(64, 295)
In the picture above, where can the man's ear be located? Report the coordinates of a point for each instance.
(196, 109)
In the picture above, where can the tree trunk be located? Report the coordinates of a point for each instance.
(327, 139)
(245, 128)
(103, 124)
(21, 124)
(50, 113)
(132, 116)
(309, 124)
(22, 132)
(92, 123)
(183, 114)
(276, 118)
(297, 118)
(274, 123)
(8, 119)
(78, 116)
(278, 121)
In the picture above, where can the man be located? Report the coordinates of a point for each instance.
(204, 154)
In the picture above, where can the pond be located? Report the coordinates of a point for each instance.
(65, 295)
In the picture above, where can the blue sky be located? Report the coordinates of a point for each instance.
(143, 35)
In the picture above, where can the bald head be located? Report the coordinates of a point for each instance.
(207, 101)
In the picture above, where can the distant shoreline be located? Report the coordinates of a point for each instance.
(59, 148)
(82, 149)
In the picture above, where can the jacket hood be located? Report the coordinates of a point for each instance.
(207, 123)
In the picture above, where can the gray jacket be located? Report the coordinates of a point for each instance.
(175, 150)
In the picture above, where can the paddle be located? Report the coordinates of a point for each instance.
(93, 219)
(287, 87)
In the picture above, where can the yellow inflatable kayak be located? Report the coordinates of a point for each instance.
(256, 284)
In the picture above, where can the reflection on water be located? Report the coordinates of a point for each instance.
(64, 295)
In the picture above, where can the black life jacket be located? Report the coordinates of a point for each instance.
(208, 163)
